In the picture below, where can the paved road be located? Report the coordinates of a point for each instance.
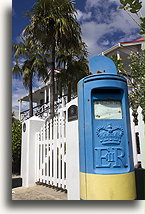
(38, 192)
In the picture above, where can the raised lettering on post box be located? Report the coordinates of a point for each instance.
(110, 154)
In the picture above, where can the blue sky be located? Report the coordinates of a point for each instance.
(103, 25)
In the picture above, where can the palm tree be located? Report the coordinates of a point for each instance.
(33, 65)
(54, 27)
(75, 67)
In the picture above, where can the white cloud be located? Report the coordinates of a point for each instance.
(122, 21)
(105, 20)
(82, 16)
(105, 42)
(18, 91)
(20, 60)
(91, 33)
(97, 3)
(18, 39)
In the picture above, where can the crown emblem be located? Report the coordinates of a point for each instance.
(109, 135)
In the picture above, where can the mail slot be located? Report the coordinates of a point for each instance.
(106, 157)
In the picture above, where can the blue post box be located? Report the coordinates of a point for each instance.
(106, 158)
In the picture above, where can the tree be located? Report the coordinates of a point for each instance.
(16, 145)
(34, 64)
(135, 77)
(75, 67)
(134, 7)
(13, 117)
(54, 27)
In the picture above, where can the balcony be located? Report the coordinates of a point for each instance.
(43, 111)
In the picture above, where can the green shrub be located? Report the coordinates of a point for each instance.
(16, 145)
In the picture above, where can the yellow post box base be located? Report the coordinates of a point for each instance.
(108, 187)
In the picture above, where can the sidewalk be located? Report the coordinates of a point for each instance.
(38, 192)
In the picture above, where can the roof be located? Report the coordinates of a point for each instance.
(141, 39)
(36, 94)
(138, 40)
(38, 91)
(121, 44)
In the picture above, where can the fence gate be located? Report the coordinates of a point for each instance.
(52, 143)
(51, 152)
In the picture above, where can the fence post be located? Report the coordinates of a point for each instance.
(134, 148)
(140, 130)
(28, 150)
(36, 156)
(72, 156)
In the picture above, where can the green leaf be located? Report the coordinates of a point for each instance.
(133, 11)
(121, 7)
(123, 2)
(128, 1)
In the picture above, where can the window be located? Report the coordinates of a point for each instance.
(107, 109)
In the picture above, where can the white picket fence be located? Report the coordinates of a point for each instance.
(137, 132)
(51, 152)
(51, 143)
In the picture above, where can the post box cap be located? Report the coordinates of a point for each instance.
(102, 65)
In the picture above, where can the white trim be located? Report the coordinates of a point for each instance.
(121, 44)
(110, 49)
(132, 44)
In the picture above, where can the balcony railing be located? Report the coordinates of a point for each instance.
(43, 111)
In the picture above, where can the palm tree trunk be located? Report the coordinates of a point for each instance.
(30, 97)
(69, 91)
(52, 84)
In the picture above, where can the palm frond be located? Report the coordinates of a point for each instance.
(16, 70)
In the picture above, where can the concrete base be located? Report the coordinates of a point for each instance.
(38, 192)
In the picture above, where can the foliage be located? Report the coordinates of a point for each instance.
(13, 117)
(74, 67)
(16, 144)
(135, 77)
(134, 7)
(69, 77)
(33, 65)
(54, 27)
(53, 22)
(137, 73)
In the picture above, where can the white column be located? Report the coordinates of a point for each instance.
(30, 128)
(20, 106)
(72, 158)
(49, 98)
(142, 46)
(49, 93)
(118, 55)
(63, 100)
(45, 95)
